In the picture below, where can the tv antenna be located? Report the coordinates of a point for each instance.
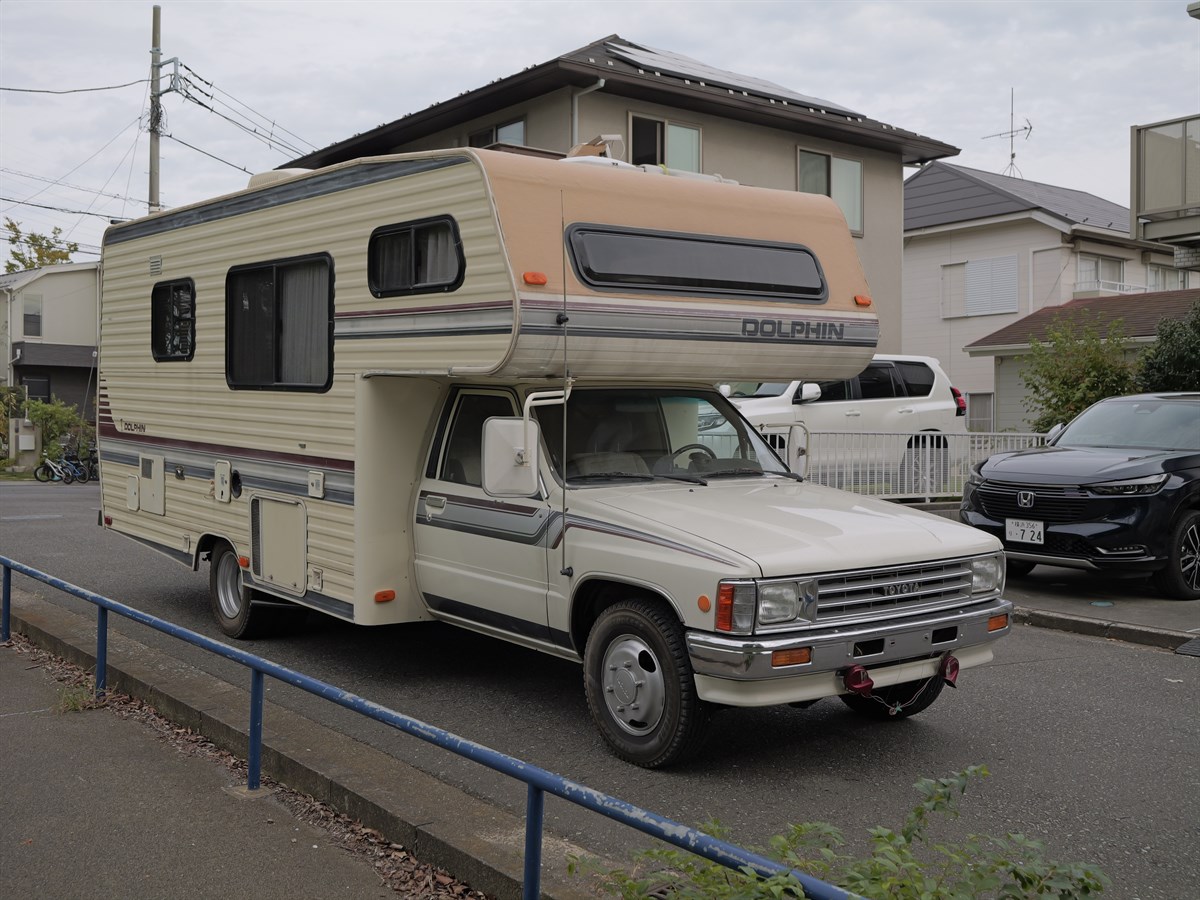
(1011, 169)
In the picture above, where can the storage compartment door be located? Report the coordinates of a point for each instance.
(279, 542)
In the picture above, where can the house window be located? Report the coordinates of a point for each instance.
(509, 133)
(37, 387)
(1096, 273)
(1165, 278)
(841, 179)
(33, 316)
(420, 257)
(981, 414)
(279, 325)
(173, 320)
(980, 287)
(659, 143)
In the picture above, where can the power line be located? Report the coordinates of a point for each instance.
(74, 187)
(209, 155)
(74, 212)
(274, 125)
(111, 87)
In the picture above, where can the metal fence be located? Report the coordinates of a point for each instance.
(538, 781)
(892, 465)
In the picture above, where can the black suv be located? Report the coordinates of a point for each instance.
(1117, 490)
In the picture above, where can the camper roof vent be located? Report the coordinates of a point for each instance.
(262, 179)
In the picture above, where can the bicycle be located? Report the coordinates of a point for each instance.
(78, 468)
(51, 470)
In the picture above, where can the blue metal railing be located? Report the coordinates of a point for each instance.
(539, 781)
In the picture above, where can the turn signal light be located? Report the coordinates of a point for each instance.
(725, 607)
(384, 596)
(996, 623)
(796, 657)
(534, 277)
(244, 562)
(862, 300)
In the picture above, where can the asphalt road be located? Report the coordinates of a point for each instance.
(1093, 745)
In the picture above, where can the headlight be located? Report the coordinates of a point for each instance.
(787, 601)
(974, 478)
(987, 574)
(1131, 488)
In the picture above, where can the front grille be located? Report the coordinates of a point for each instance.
(1056, 545)
(899, 590)
(1052, 504)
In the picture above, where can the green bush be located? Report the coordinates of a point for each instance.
(61, 425)
(901, 864)
(1172, 362)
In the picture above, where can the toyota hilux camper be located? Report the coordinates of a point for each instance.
(473, 386)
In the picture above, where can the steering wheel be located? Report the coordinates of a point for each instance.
(701, 447)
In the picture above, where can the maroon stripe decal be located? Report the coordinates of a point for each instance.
(299, 459)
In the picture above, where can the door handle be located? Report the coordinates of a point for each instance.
(910, 409)
(853, 412)
(434, 503)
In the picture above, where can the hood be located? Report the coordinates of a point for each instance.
(1084, 465)
(787, 527)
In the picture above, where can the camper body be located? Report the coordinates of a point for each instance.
(477, 387)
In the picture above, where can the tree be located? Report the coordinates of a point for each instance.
(1075, 368)
(1173, 362)
(34, 251)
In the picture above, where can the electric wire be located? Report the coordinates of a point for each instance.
(266, 119)
(111, 87)
(209, 155)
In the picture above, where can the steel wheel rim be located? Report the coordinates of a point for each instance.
(634, 689)
(229, 594)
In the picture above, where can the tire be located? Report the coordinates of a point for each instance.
(68, 476)
(232, 602)
(640, 686)
(43, 473)
(1180, 580)
(925, 467)
(911, 697)
(1018, 568)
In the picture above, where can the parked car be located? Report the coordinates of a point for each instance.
(907, 395)
(1117, 490)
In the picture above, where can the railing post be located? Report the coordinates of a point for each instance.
(5, 603)
(534, 804)
(254, 756)
(101, 651)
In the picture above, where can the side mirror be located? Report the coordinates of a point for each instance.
(1054, 432)
(725, 389)
(510, 468)
(809, 391)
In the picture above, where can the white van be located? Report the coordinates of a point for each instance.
(470, 386)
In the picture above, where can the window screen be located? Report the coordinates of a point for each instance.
(684, 263)
(173, 320)
(415, 258)
(279, 325)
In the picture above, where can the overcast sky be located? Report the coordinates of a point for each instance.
(1081, 73)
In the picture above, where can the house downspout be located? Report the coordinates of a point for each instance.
(575, 109)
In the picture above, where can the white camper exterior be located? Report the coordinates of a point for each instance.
(295, 380)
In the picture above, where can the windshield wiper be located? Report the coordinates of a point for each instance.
(722, 473)
(606, 476)
(690, 479)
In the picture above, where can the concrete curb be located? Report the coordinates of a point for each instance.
(439, 824)
(1120, 631)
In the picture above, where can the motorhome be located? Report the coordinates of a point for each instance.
(473, 386)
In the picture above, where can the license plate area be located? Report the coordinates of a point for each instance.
(1024, 531)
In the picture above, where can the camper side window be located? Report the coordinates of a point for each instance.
(173, 320)
(421, 257)
(279, 325)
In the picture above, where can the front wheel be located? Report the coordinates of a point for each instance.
(898, 701)
(1180, 580)
(925, 468)
(640, 686)
(68, 476)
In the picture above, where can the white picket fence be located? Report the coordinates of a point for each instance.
(892, 465)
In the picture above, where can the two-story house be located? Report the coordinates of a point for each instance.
(668, 109)
(982, 251)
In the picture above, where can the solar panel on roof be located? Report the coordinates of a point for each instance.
(676, 64)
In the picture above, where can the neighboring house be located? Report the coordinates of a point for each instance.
(674, 111)
(982, 250)
(48, 332)
(1005, 350)
(1166, 184)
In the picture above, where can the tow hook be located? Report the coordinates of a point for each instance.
(949, 670)
(857, 681)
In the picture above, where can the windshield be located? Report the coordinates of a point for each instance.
(651, 433)
(1152, 424)
(758, 388)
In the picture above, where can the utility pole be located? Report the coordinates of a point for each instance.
(155, 107)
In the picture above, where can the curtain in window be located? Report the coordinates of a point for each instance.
(251, 327)
(393, 261)
(437, 260)
(304, 324)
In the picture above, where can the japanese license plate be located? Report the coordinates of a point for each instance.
(1025, 531)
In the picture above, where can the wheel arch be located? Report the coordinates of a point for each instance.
(598, 593)
(206, 544)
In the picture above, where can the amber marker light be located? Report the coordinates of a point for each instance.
(725, 608)
(704, 603)
(384, 596)
(244, 562)
(796, 657)
(534, 277)
(862, 300)
(995, 623)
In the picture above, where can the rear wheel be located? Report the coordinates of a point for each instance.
(640, 687)
(239, 610)
(43, 473)
(925, 467)
(898, 701)
(68, 476)
(1180, 580)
